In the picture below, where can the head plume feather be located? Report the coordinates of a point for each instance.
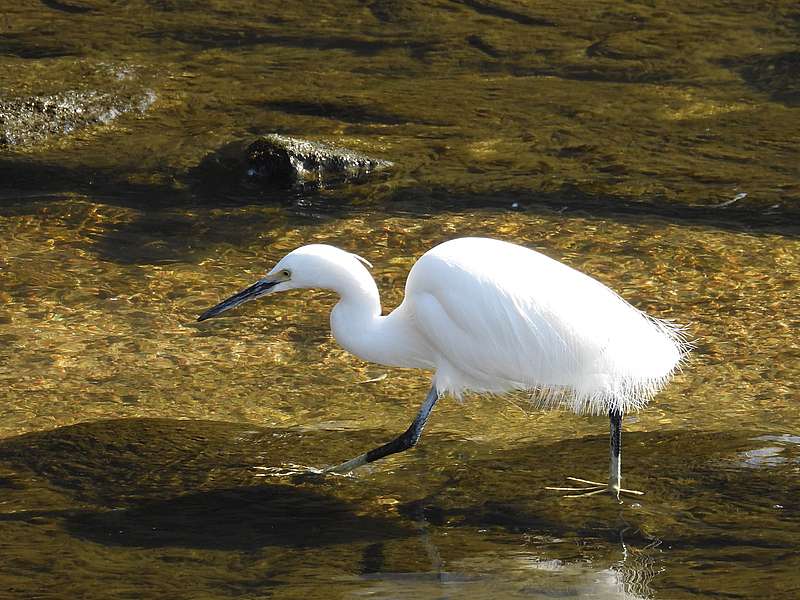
(362, 260)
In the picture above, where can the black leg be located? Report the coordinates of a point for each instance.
(616, 432)
(404, 441)
(615, 472)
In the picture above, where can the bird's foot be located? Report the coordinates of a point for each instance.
(285, 470)
(592, 488)
(295, 473)
(347, 466)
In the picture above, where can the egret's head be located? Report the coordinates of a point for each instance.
(312, 266)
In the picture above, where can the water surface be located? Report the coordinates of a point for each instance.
(144, 455)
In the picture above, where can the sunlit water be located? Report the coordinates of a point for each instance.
(145, 455)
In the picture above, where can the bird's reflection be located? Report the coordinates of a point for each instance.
(623, 570)
(523, 575)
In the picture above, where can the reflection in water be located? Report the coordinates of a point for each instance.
(638, 567)
(520, 575)
(781, 449)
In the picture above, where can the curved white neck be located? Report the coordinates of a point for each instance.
(358, 326)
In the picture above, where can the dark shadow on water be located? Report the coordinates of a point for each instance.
(571, 201)
(163, 482)
(220, 37)
(121, 462)
(491, 9)
(237, 519)
(163, 232)
(777, 75)
(168, 236)
(67, 7)
(23, 177)
(350, 111)
(22, 46)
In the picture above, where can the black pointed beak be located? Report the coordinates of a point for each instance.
(256, 290)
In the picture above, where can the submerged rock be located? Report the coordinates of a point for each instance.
(35, 119)
(288, 160)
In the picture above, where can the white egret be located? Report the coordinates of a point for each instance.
(488, 316)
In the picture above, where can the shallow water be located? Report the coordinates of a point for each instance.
(145, 455)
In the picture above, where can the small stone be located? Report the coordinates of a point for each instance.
(291, 161)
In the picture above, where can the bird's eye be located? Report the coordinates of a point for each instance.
(286, 273)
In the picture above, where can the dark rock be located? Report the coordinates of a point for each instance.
(286, 160)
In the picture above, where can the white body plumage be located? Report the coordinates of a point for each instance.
(490, 316)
